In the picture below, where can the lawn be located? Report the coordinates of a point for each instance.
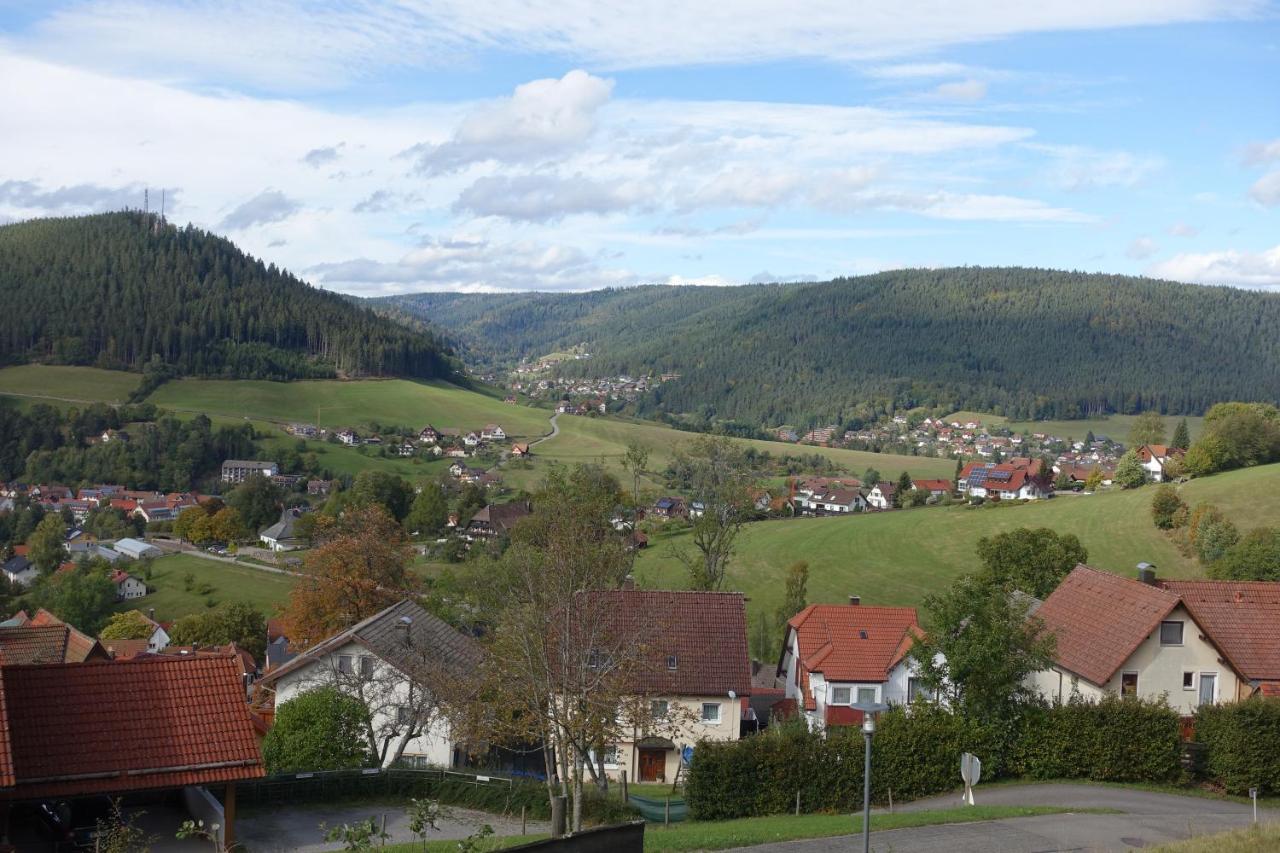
(336, 404)
(73, 384)
(899, 557)
(588, 439)
(725, 834)
(231, 584)
(1115, 427)
(1256, 839)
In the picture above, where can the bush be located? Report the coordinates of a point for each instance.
(1242, 742)
(321, 729)
(1113, 740)
(916, 753)
(1165, 507)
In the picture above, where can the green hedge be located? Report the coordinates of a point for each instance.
(1242, 743)
(1112, 740)
(916, 753)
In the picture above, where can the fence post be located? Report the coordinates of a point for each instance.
(625, 795)
(557, 816)
(382, 833)
(524, 826)
(666, 817)
(797, 803)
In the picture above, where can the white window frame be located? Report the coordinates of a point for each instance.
(875, 693)
(835, 698)
(1188, 684)
(1137, 682)
(718, 716)
(1216, 683)
(1182, 633)
(654, 706)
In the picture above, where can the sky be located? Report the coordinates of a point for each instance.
(499, 145)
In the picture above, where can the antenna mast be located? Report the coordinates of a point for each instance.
(146, 202)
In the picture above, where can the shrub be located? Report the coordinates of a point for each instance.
(1112, 740)
(1165, 506)
(1242, 742)
(321, 729)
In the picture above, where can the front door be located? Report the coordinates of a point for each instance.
(653, 765)
(1208, 683)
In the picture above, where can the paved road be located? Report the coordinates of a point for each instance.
(1149, 819)
(297, 827)
(555, 430)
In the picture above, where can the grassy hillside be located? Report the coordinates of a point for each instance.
(231, 584)
(75, 384)
(899, 557)
(335, 404)
(1115, 427)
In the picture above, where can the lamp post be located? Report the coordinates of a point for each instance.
(869, 710)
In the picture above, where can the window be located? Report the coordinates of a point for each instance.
(1129, 684)
(404, 715)
(658, 709)
(840, 695)
(917, 690)
(1171, 633)
(1188, 680)
(711, 712)
(366, 666)
(345, 664)
(866, 695)
(672, 662)
(609, 756)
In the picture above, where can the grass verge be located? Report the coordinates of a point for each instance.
(1255, 839)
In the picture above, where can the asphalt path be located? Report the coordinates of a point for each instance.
(1147, 819)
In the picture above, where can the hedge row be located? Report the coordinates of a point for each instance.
(917, 752)
(1242, 744)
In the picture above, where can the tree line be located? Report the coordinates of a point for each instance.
(123, 290)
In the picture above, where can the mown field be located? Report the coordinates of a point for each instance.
(588, 439)
(1115, 427)
(899, 557)
(334, 404)
(231, 584)
(68, 384)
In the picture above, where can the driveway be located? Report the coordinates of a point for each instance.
(298, 827)
(1148, 819)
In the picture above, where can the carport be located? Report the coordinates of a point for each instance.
(118, 728)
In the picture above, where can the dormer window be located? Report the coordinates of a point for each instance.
(672, 662)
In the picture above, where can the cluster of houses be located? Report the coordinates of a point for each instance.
(148, 505)
(21, 572)
(581, 396)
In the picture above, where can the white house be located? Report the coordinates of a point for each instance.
(239, 470)
(135, 549)
(1193, 642)
(280, 536)
(127, 586)
(881, 496)
(834, 656)
(836, 501)
(471, 439)
(392, 660)
(348, 437)
(1154, 459)
(492, 432)
(19, 570)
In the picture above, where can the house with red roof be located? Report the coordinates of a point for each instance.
(1156, 457)
(117, 727)
(837, 655)
(694, 672)
(1141, 637)
(935, 488)
(1016, 479)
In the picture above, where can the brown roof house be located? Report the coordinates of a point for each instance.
(497, 520)
(693, 671)
(836, 655)
(1151, 639)
(114, 727)
(404, 664)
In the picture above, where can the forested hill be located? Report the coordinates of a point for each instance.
(123, 290)
(1021, 342)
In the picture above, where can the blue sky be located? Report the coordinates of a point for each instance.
(380, 147)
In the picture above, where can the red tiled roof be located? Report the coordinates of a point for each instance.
(1270, 689)
(853, 642)
(1242, 618)
(705, 631)
(120, 726)
(125, 649)
(44, 643)
(1099, 619)
(932, 485)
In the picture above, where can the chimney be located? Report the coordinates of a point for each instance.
(855, 600)
(151, 613)
(1147, 574)
(404, 624)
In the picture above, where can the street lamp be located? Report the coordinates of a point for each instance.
(869, 710)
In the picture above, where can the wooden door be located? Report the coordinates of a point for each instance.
(653, 765)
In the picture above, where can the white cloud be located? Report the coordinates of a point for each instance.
(963, 90)
(1229, 266)
(710, 280)
(766, 277)
(318, 157)
(264, 208)
(542, 118)
(308, 44)
(1076, 167)
(543, 197)
(918, 70)
(474, 265)
(1142, 248)
(1266, 190)
(33, 197)
(1261, 152)
(1183, 229)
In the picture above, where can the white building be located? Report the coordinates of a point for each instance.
(135, 549)
(127, 586)
(392, 659)
(239, 470)
(834, 656)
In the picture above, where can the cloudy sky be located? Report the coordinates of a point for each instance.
(408, 145)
